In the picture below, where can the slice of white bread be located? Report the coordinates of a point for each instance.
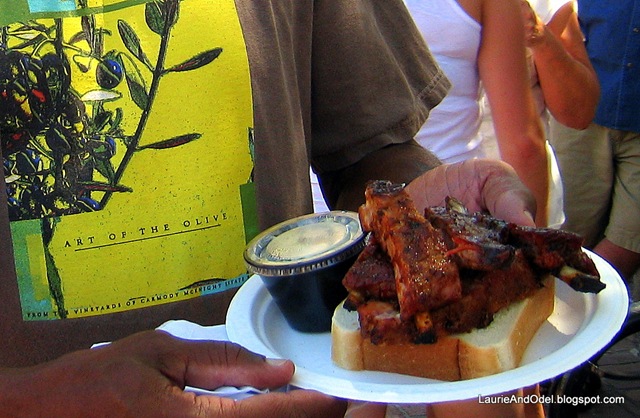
(481, 352)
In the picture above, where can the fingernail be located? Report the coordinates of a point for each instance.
(277, 362)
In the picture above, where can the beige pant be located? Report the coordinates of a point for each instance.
(600, 170)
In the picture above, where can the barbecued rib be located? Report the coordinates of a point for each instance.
(490, 283)
(425, 276)
(370, 277)
(483, 294)
(560, 253)
(372, 292)
(381, 323)
(475, 241)
(479, 241)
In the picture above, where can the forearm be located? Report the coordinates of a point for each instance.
(570, 89)
(399, 163)
(520, 137)
(531, 164)
(48, 390)
(17, 396)
(569, 83)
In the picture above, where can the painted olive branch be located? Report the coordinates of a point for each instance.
(161, 18)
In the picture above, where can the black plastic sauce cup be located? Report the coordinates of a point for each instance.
(302, 263)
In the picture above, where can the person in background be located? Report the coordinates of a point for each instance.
(600, 165)
(84, 86)
(481, 43)
(563, 80)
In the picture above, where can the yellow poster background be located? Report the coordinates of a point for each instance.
(180, 224)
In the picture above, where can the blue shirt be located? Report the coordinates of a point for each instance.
(612, 36)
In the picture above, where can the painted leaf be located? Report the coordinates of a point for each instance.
(132, 42)
(105, 168)
(138, 92)
(77, 38)
(101, 119)
(95, 186)
(154, 17)
(172, 142)
(117, 119)
(197, 61)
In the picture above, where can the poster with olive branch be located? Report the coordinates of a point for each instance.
(126, 131)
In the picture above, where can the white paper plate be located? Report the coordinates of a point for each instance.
(579, 327)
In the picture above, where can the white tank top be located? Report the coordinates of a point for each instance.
(546, 9)
(452, 130)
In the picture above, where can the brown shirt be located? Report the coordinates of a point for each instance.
(333, 81)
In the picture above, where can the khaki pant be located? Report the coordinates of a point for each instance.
(600, 170)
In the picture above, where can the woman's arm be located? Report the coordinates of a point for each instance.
(569, 82)
(504, 74)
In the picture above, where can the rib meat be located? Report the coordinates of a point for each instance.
(450, 271)
(426, 278)
(560, 253)
(481, 242)
(370, 277)
(380, 322)
(475, 241)
(484, 294)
